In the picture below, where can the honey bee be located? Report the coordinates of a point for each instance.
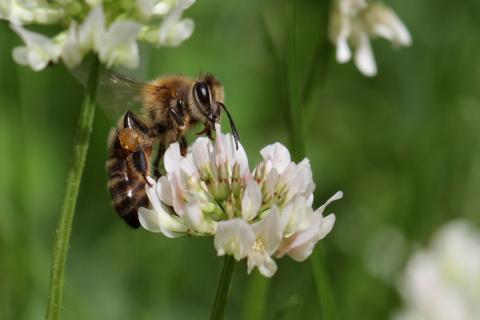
(171, 105)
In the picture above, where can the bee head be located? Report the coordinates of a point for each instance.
(209, 96)
(206, 104)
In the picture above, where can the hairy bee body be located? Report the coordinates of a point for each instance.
(171, 106)
(126, 179)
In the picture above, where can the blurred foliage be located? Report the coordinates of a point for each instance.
(403, 146)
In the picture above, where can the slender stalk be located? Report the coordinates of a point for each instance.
(322, 282)
(293, 87)
(64, 224)
(255, 297)
(223, 289)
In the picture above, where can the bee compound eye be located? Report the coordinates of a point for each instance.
(203, 93)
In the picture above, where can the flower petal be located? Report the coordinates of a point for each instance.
(164, 190)
(251, 200)
(119, 46)
(172, 158)
(71, 52)
(194, 218)
(278, 154)
(39, 50)
(265, 264)
(269, 229)
(92, 30)
(234, 237)
(364, 59)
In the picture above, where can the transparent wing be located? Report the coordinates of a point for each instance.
(116, 93)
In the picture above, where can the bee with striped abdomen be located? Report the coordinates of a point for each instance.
(171, 106)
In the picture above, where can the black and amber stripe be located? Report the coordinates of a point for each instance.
(126, 187)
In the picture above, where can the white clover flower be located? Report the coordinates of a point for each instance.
(354, 22)
(255, 215)
(39, 50)
(443, 281)
(87, 30)
(30, 11)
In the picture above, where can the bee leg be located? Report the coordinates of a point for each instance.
(183, 146)
(156, 161)
(140, 163)
(204, 130)
(130, 121)
(209, 133)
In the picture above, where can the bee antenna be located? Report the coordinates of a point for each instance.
(233, 127)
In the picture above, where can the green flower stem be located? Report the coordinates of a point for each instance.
(322, 282)
(223, 289)
(64, 225)
(255, 297)
(293, 87)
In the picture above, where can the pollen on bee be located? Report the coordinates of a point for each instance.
(128, 139)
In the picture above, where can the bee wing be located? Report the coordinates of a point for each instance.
(116, 93)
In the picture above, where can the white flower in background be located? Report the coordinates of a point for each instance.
(255, 215)
(354, 22)
(30, 11)
(443, 281)
(86, 29)
(39, 50)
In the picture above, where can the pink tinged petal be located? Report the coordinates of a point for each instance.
(220, 153)
(177, 193)
(271, 181)
(300, 180)
(164, 190)
(364, 59)
(233, 155)
(188, 166)
(158, 219)
(296, 215)
(278, 154)
(172, 158)
(234, 237)
(201, 149)
(251, 200)
(300, 245)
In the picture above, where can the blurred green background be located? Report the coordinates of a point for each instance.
(403, 146)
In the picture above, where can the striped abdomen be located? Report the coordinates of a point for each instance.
(125, 184)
